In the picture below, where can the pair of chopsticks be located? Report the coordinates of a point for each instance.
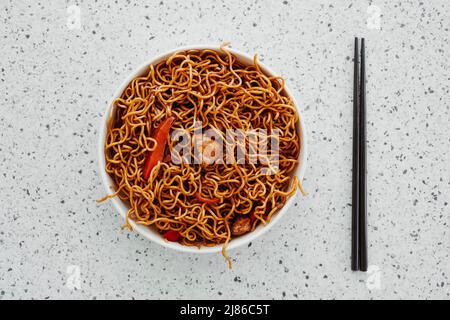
(359, 192)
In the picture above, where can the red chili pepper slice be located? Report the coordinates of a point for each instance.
(172, 235)
(252, 218)
(199, 197)
(161, 140)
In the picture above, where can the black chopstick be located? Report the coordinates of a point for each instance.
(362, 165)
(359, 182)
(355, 173)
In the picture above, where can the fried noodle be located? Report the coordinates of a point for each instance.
(215, 89)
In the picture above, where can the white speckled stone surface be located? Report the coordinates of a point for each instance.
(55, 83)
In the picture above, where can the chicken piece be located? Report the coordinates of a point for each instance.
(208, 149)
(240, 226)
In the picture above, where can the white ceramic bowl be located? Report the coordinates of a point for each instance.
(153, 235)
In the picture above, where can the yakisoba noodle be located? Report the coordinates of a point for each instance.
(200, 204)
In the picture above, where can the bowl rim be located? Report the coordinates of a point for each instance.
(153, 235)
